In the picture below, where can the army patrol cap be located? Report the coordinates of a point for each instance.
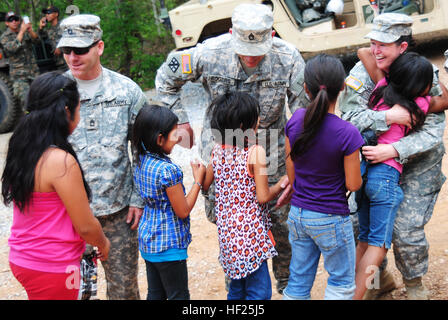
(50, 9)
(80, 31)
(389, 27)
(252, 29)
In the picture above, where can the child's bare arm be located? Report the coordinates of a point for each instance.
(439, 103)
(258, 168)
(368, 60)
(182, 205)
(208, 178)
(353, 178)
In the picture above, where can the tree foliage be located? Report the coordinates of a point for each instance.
(136, 44)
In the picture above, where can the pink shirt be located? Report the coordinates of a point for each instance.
(396, 132)
(43, 237)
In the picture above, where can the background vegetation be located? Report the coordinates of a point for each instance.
(136, 44)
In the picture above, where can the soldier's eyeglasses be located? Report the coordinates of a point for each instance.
(78, 51)
(11, 19)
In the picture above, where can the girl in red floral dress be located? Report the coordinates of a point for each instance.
(238, 167)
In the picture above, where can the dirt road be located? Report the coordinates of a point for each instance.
(206, 278)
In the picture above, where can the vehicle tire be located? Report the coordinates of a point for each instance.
(9, 110)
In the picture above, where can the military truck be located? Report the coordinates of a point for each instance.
(9, 108)
(311, 32)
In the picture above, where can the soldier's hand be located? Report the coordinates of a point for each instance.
(399, 115)
(379, 153)
(24, 27)
(134, 213)
(186, 135)
(42, 23)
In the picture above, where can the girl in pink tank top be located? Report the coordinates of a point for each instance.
(43, 179)
(238, 169)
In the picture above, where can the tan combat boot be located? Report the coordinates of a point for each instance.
(415, 289)
(387, 283)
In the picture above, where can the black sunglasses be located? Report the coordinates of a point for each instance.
(11, 19)
(78, 51)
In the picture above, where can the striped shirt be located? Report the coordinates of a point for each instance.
(159, 228)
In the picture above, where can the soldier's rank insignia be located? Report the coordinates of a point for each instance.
(353, 83)
(174, 65)
(186, 63)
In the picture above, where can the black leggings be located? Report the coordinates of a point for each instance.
(167, 280)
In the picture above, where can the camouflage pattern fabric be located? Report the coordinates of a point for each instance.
(80, 31)
(252, 29)
(121, 268)
(101, 142)
(54, 34)
(421, 154)
(22, 63)
(389, 27)
(446, 62)
(20, 90)
(277, 78)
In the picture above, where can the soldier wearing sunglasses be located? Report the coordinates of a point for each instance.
(49, 27)
(109, 105)
(17, 44)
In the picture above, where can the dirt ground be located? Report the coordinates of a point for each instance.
(206, 278)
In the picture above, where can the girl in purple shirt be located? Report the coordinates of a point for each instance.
(323, 161)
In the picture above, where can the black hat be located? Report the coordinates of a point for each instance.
(50, 9)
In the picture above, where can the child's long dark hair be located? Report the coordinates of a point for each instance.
(324, 79)
(150, 122)
(409, 76)
(232, 111)
(45, 124)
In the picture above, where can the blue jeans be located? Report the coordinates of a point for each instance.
(256, 286)
(379, 204)
(312, 234)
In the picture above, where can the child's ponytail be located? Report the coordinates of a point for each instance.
(324, 79)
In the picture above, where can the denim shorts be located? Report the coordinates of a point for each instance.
(256, 286)
(312, 234)
(379, 203)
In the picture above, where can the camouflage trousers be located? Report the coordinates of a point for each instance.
(20, 90)
(280, 231)
(121, 267)
(410, 246)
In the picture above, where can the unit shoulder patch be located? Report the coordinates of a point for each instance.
(353, 83)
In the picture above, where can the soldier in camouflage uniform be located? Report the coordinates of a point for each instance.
(247, 59)
(420, 152)
(109, 105)
(17, 45)
(54, 34)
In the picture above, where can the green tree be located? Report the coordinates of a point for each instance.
(136, 44)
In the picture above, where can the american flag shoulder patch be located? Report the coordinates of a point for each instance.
(353, 83)
(186, 63)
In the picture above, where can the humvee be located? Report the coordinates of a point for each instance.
(197, 20)
(10, 109)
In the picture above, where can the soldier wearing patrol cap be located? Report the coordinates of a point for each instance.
(248, 58)
(109, 104)
(420, 152)
(17, 43)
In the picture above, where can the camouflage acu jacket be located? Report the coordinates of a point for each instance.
(278, 78)
(101, 142)
(22, 63)
(419, 151)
